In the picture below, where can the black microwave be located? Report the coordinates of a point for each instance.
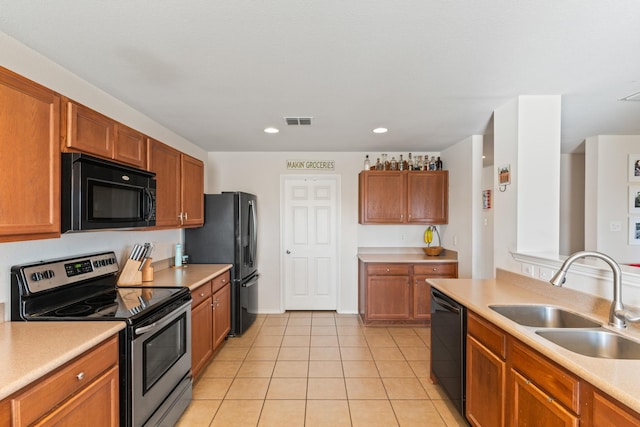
(98, 194)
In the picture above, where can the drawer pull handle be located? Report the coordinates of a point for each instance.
(80, 376)
(550, 399)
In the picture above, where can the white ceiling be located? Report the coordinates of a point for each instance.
(218, 72)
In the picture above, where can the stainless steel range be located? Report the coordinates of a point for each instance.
(155, 346)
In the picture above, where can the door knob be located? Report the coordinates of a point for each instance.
(288, 251)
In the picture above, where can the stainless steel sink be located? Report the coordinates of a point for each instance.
(594, 343)
(544, 316)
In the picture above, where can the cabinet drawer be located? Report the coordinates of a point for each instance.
(490, 336)
(220, 281)
(49, 392)
(555, 381)
(440, 269)
(200, 294)
(388, 269)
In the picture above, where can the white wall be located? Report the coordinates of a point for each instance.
(259, 173)
(607, 191)
(572, 203)
(465, 203)
(22, 60)
(486, 267)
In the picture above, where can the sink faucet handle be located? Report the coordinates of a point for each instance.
(625, 314)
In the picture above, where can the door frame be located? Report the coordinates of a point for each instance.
(337, 178)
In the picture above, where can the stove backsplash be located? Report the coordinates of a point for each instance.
(120, 242)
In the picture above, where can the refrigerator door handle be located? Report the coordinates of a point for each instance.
(253, 281)
(254, 237)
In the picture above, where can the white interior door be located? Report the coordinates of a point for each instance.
(310, 242)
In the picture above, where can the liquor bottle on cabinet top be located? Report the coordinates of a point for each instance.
(410, 163)
(401, 164)
(379, 165)
(439, 164)
(367, 164)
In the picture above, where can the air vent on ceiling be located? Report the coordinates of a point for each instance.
(298, 121)
(632, 97)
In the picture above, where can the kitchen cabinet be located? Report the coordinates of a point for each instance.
(509, 383)
(543, 392)
(403, 197)
(180, 186)
(210, 320)
(90, 132)
(603, 411)
(84, 389)
(486, 373)
(29, 160)
(397, 292)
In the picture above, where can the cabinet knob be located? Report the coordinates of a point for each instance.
(201, 294)
(435, 269)
(80, 376)
(388, 270)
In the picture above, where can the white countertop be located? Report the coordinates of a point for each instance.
(618, 378)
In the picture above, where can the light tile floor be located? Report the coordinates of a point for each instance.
(320, 369)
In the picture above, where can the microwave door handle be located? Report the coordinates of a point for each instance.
(150, 205)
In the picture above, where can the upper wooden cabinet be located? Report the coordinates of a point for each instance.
(180, 186)
(29, 160)
(192, 191)
(403, 197)
(91, 132)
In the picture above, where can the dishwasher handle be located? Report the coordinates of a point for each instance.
(445, 304)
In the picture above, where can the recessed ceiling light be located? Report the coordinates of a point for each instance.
(380, 130)
(271, 130)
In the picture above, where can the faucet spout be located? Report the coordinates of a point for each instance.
(618, 316)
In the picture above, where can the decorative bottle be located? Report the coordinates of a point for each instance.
(410, 163)
(379, 166)
(401, 164)
(439, 164)
(367, 164)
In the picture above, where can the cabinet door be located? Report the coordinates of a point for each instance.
(29, 160)
(533, 407)
(428, 197)
(165, 162)
(192, 190)
(485, 384)
(607, 412)
(130, 147)
(388, 298)
(221, 315)
(382, 197)
(421, 298)
(97, 402)
(201, 332)
(89, 131)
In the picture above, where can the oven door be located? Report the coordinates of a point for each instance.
(161, 355)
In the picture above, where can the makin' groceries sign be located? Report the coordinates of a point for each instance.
(311, 164)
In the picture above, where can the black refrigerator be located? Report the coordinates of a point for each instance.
(229, 236)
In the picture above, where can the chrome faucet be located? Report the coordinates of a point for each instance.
(618, 316)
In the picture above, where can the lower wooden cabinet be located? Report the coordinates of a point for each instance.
(509, 383)
(86, 388)
(210, 320)
(398, 292)
(486, 377)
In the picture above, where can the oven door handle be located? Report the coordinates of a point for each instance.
(160, 323)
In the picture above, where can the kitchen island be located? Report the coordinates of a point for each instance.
(616, 378)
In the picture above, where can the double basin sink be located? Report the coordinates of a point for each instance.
(572, 331)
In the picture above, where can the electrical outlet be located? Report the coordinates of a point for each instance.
(546, 273)
(615, 226)
(529, 270)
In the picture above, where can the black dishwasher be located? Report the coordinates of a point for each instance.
(448, 348)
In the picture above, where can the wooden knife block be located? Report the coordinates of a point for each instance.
(130, 274)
